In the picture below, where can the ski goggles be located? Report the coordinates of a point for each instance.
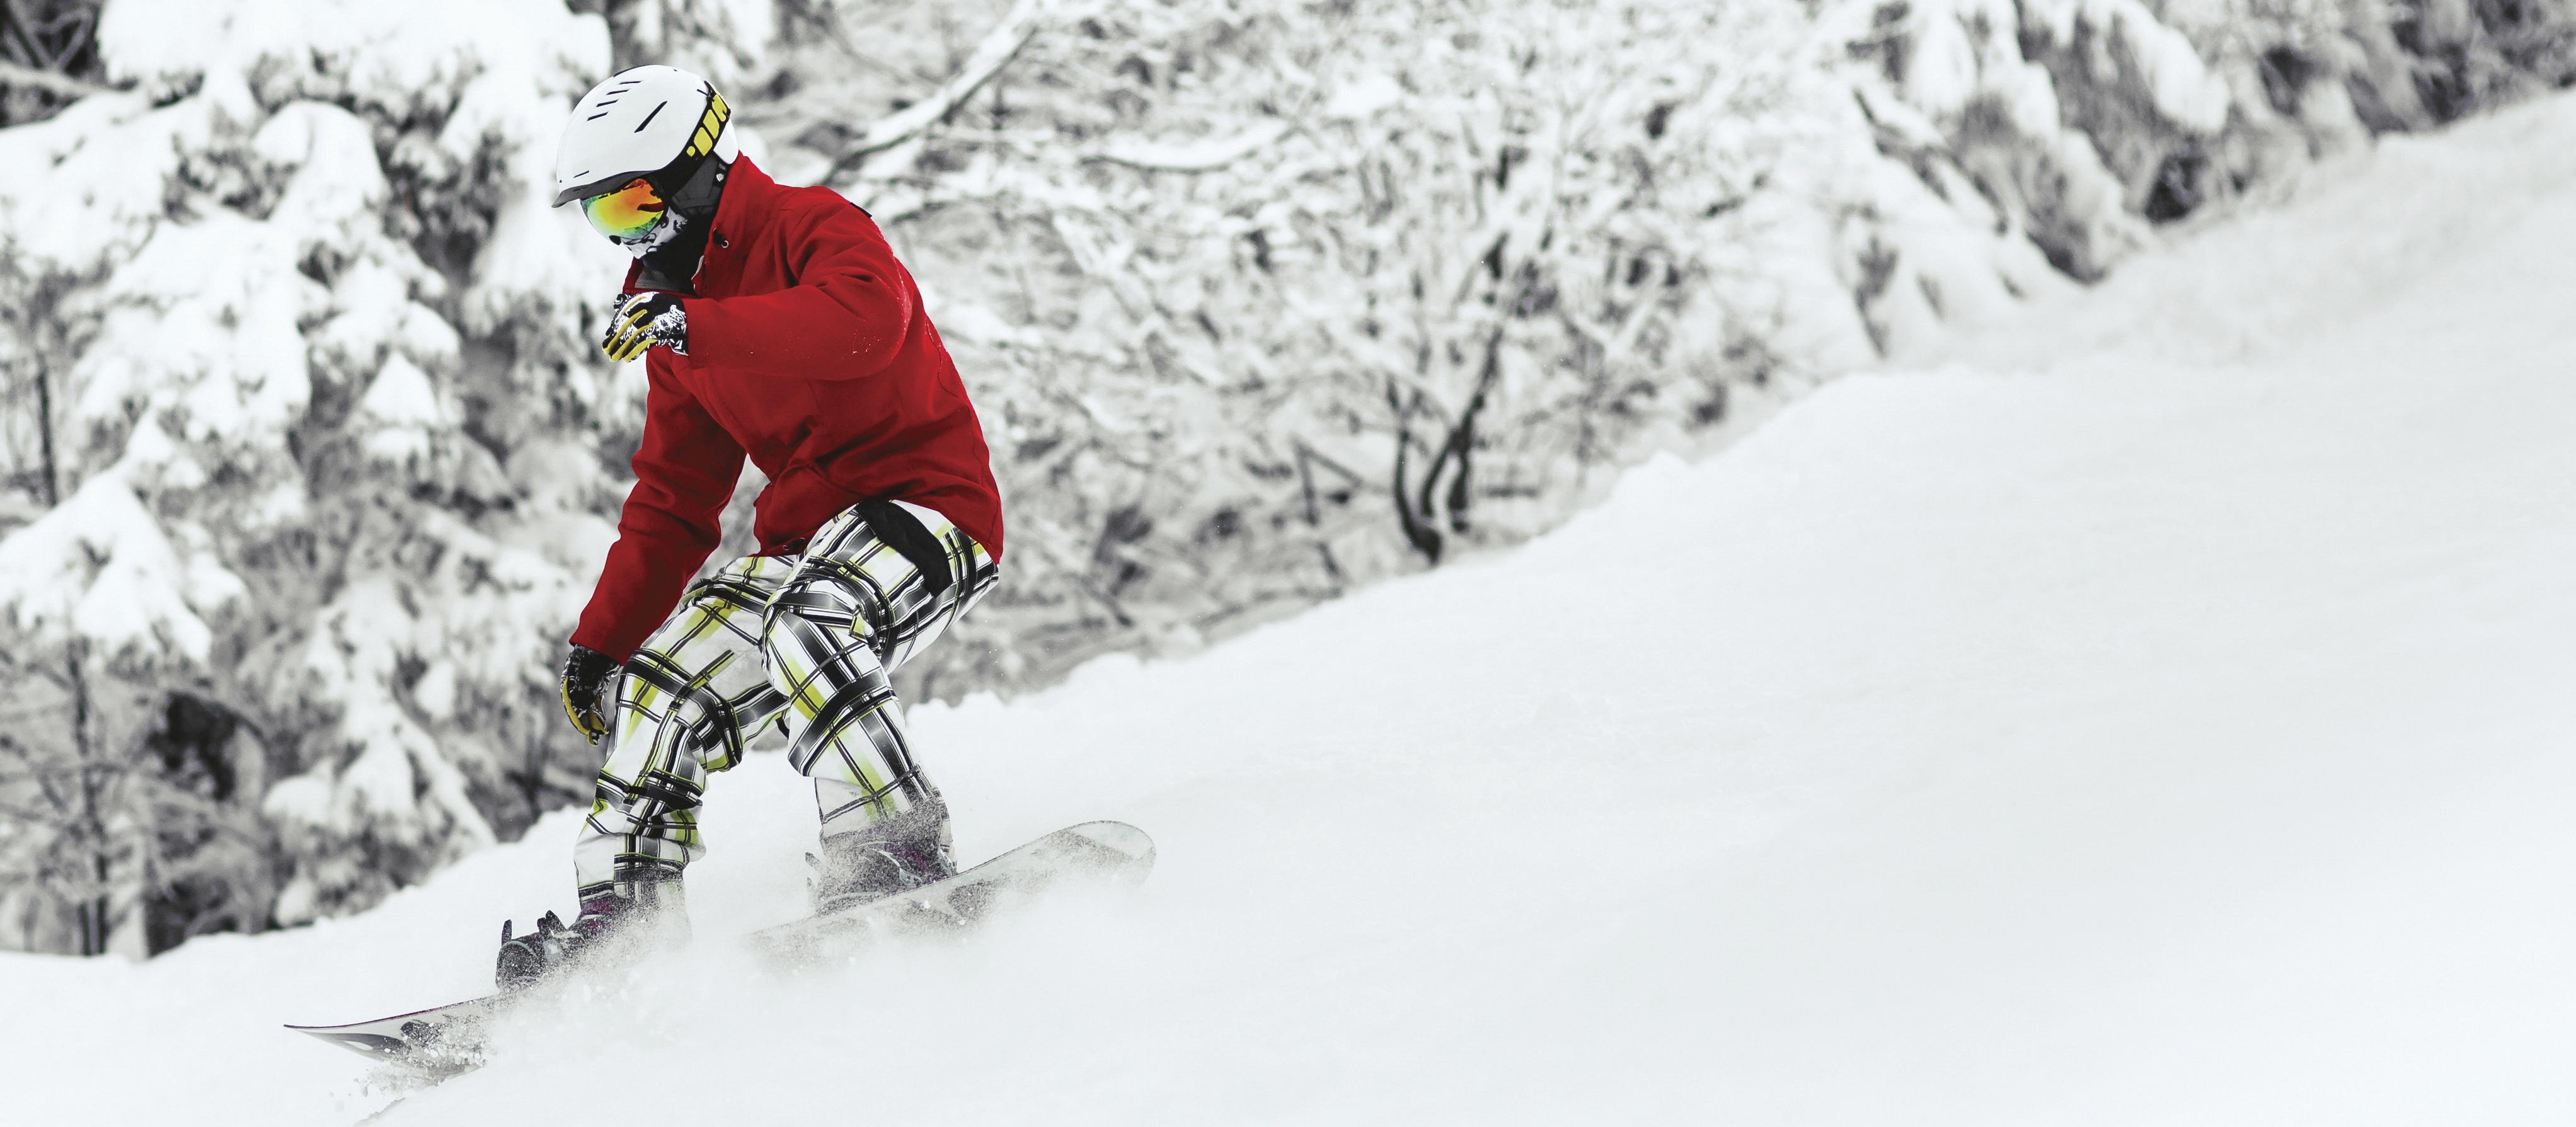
(625, 213)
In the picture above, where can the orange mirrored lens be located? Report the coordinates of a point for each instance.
(626, 212)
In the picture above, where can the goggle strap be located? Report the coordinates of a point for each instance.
(710, 124)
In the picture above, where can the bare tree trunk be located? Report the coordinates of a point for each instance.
(53, 480)
(1422, 507)
(92, 827)
(91, 915)
(1418, 532)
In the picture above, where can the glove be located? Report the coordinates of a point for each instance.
(639, 321)
(586, 674)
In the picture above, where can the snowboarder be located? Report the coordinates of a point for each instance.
(775, 324)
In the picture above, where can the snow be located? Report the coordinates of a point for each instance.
(2153, 711)
(110, 157)
(1200, 155)
(393, 764)
(2128, 32)
(404, 400)
(99, 567)
(1364, 94)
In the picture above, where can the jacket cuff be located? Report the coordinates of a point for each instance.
(588, 638)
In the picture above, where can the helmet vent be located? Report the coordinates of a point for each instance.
(648, 118)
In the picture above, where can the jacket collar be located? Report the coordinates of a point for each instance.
(742, 217)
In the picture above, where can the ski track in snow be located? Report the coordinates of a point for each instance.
(2154, 712)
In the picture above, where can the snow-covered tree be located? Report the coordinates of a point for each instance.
(331, 437)
(2085, 120)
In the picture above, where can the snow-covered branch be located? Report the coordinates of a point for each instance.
(53, 82)
(1194, 156)
(998, 48)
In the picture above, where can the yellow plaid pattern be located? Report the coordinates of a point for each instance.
(803, 640)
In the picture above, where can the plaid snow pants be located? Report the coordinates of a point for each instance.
(808, 638)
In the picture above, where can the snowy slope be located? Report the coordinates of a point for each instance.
(2154, 713)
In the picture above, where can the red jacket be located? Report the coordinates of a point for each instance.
(809, 352)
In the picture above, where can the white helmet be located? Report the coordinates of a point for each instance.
(640, 122)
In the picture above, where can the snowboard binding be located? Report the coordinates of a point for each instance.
(526, 959)
(853, 870)
(891, 855)
(620, 919)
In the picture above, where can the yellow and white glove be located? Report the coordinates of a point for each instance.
(639, 321)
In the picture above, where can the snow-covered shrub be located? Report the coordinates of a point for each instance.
(1264, 299)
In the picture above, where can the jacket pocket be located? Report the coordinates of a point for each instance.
(796, 503)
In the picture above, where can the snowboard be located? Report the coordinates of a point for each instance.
(441, 1039)
(1093, 852)
(448, 1039)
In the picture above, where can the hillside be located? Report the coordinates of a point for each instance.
(2154, 711)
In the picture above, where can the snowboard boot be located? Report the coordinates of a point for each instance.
(898, 854)
(640, 911)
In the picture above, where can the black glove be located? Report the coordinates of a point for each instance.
(586, 675)
(639, 321)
